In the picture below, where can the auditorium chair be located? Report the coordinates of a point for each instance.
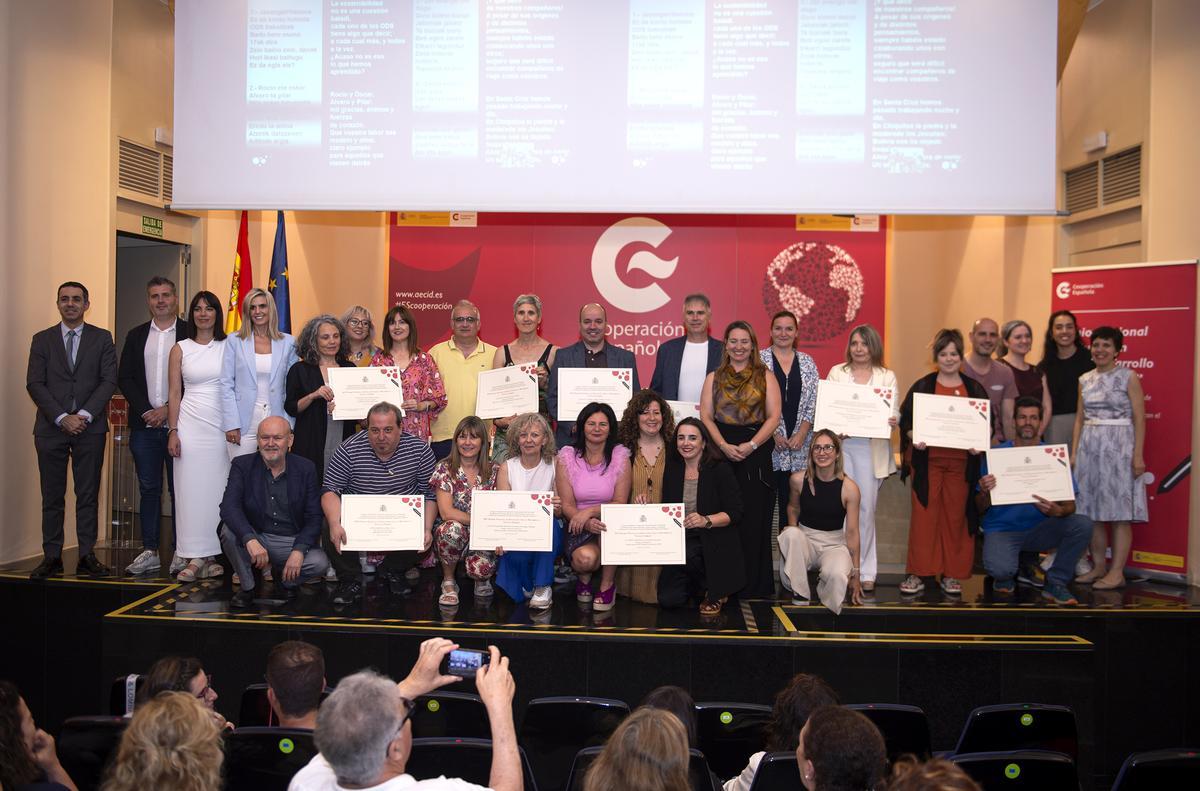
(265, 759)
(467, 759)
(1016, 770)
(85, 745)
(728, 733)
(777, 772)
(555, 729)
(458, 714)
(698, 771)
(1020, 726)
(905, 729)
(1158, 769)
(123, 693)
(254, 710)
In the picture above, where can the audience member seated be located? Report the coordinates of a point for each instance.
(647, 752)
(171, 742)
(679, 702)
(840, 750)
(365, 737)
(27, 755)
(181, 674)
(934, 775)
(271, 515)
(793, 705)
(295, 681)
(1009, 530)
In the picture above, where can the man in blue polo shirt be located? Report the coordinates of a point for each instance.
(381, 460)
(1009, 530)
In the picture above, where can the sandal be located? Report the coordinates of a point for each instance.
(868, 586)
(200, 569)
(711, 608)
(449, 597)
(951, 586)
(189, 570)
(912, 584)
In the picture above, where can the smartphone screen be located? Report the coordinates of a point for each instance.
(465, 662)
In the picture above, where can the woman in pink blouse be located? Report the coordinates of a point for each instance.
(424, 391)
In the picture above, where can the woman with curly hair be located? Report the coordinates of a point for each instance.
(171, 742)
(647, 752)
(322, 344)
(647, 427)
(27, 753)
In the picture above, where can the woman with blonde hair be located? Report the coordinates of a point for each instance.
(740, 406)
(360, 331)
(647, 752)
(254, 373)
(467, 469)
(528, 347)
(171, 742)
(867, 460)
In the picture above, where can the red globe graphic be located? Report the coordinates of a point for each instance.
(819, 282)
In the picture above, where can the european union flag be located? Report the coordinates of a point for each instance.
(278, 284)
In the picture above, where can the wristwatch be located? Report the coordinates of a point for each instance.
(753, 445)
(708, 521)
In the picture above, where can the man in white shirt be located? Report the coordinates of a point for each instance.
(365, 737)
(142, 379)
(682, 363)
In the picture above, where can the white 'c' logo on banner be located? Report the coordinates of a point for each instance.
(1063, 290)
(604, 264)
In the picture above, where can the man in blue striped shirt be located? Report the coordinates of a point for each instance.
(381, 460)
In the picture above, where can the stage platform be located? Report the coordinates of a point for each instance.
(1123, 660)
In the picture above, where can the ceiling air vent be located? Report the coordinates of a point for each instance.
(1122, 175)
(168, 178)
(1082, 187)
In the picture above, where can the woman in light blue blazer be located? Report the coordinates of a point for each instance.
(254, 373)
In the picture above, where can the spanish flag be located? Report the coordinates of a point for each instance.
(240, 287)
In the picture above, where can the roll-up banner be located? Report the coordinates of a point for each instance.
(1154, 304)
(829, 270)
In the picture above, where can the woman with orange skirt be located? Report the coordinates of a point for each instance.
(940, 535)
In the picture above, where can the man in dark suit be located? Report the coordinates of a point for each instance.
(592, 351)
(271, 514)
(682, 363)
(143, 380)
(71, 376)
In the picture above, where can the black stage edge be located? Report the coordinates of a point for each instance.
(1121, 660)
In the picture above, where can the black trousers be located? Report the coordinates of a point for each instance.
(677, 584)
(347, 567)
(85, 452)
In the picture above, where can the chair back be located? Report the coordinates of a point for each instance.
(458, 714)
(699, 775)
(777, 772)
(254, 711)
(555, 729)
(122, 695)
(729, 733)
(86, 745)
(465, 759)
(1016, 770)
(265, 759)
(1157, 769)
(905, 729)
(1020, 726)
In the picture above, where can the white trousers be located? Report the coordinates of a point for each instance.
(858, 466)
(804, 549)
(249, 443)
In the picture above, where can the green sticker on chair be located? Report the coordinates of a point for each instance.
(286, 746)
(726, 717)
(432, 704)
(1012, 771)
(1026, 719)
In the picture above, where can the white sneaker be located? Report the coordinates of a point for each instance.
(330, 575)
(1083, 566)
(1048, 561)
(144, 563)
(177, 564)
(543, 597)
(483, 589)
(413, 573)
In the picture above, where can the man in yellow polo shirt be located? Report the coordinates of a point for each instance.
(460, 360)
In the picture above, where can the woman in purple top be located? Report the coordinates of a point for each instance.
(591, 472)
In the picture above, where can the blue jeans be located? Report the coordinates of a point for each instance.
(1067, 534)
(149, 449)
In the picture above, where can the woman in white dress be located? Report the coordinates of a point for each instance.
(254, 373)
(196, 439)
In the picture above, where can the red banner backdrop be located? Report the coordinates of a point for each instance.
(641, 268)
(1155, 306)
